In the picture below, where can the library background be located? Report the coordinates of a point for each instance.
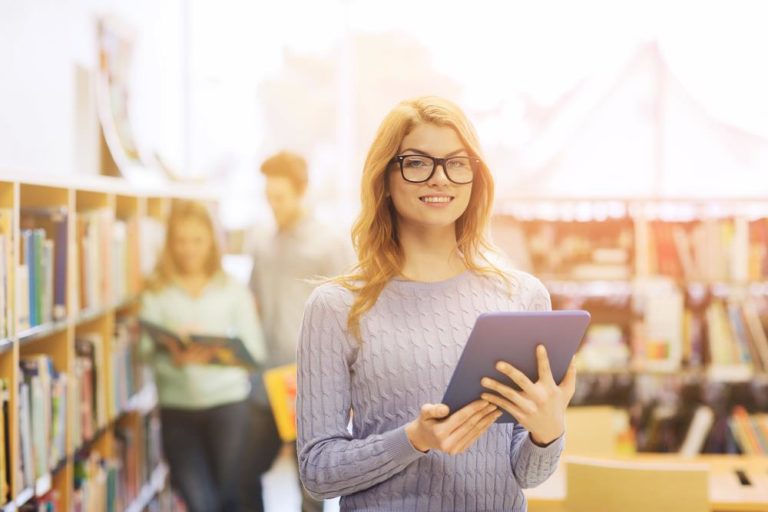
(632, 178)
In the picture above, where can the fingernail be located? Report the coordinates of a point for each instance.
(485, 381)
(501, 366)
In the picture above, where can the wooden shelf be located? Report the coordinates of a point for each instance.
(42, 330)
(26, 198)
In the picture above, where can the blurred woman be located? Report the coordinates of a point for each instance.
(203, 408)
(384, 341)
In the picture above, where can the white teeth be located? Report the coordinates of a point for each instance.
(438, 199)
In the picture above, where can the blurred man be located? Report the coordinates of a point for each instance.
(299, 250)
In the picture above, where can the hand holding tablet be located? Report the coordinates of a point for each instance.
(512, 338)
(538, 406)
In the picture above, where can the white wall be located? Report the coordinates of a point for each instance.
(42, 43)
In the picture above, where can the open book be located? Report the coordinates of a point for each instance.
(226, 350)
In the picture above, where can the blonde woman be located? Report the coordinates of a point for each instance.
(203, 407)
(379, 346)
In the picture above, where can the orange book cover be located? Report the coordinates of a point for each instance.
(280, 383)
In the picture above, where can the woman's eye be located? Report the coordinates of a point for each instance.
(415, 163)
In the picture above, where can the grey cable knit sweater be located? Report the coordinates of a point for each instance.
(412, 340)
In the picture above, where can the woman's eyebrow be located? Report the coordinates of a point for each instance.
(452, 153)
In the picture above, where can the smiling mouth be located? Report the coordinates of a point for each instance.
(436, 199)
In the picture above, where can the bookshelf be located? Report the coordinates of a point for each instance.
(79, 423)
(678, 291)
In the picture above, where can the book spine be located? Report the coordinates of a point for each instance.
(60, 268)
(47, 281)
(22, 287)
(29, 260)
(38, 236)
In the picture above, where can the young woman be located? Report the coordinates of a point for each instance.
(381, 344)
(203, 407)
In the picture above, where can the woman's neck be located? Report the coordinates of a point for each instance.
(430, 254)
(193, 282)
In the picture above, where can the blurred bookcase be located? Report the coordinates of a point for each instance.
(678, 291)
(79, 424)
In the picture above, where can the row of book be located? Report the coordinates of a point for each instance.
(682, 413)
(111, 482)
(573, 250)
(728, 337)
(42, 273)
(750, 431)
(708, 250)
(113, 254)
(42, 418)
(95, 483)
(129, 375)
(89, 394)
(110, 255)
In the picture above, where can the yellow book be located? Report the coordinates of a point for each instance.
(280, 383)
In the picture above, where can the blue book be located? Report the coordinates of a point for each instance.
(53, 223)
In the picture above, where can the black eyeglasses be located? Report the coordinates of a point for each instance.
(421, 168)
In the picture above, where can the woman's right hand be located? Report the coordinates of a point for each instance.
(432, 431)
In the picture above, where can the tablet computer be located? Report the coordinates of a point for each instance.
(513, 337)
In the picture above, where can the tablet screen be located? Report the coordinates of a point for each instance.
(513, 337)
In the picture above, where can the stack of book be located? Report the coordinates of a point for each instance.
(89, 400)
(42, 275)
(42, 413)
(137, 447)
(126, 250)
(750, 431)
(129, 375)
(709, 250)
(95, 484)
(94, 234)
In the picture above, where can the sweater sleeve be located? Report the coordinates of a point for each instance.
(331, 461)
(533, 464)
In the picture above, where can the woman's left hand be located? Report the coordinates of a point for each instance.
(540, 406)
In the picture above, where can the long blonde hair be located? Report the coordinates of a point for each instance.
(167, 269)
(374, 234)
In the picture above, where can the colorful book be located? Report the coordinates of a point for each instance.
(280, 383)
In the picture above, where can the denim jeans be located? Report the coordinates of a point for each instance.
(204, 449)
